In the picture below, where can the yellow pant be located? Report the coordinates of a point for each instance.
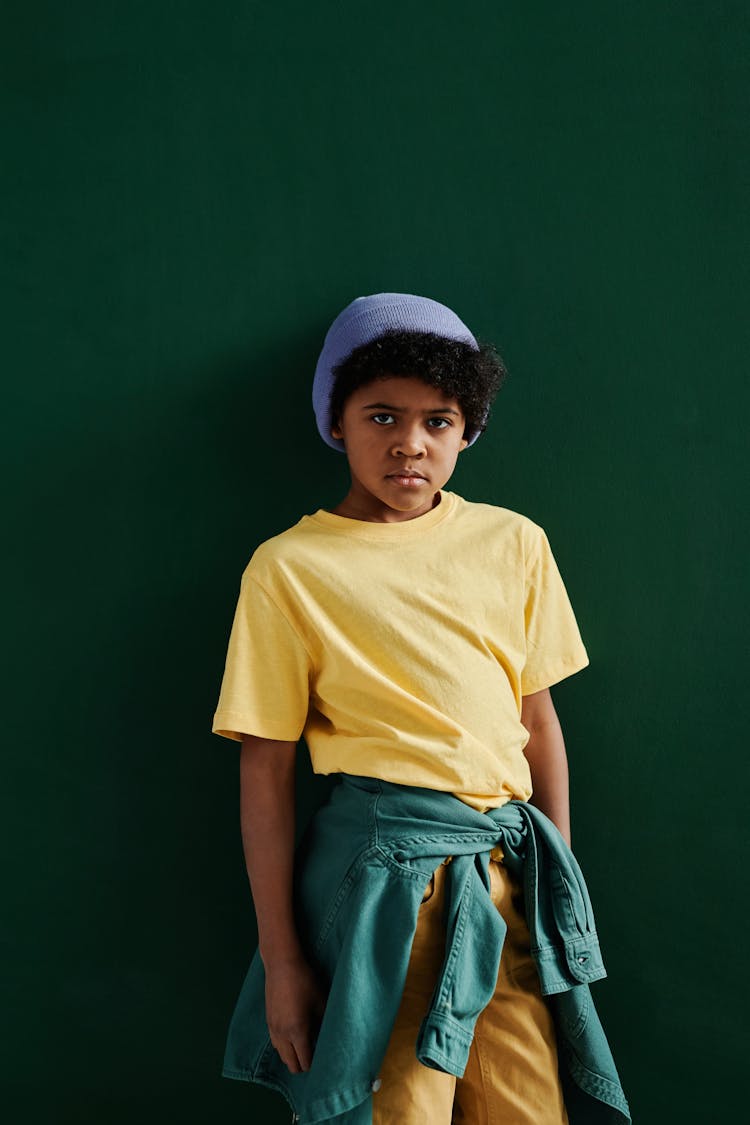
(511, 1077)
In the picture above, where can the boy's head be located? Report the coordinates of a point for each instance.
(401, 334)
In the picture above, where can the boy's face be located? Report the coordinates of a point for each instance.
(402, 440)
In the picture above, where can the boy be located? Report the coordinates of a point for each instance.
(429, 948)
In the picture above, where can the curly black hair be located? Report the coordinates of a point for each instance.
(472, 377)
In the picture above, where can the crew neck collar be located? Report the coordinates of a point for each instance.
(402, 529)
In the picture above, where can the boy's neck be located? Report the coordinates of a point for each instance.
(351, 509)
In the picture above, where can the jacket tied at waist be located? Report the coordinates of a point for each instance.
(361, 869)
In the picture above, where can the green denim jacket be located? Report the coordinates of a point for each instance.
(361, 868)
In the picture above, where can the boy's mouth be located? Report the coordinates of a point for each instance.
(407, 479)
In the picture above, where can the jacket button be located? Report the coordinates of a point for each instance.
(582, 959)
(377, 1084)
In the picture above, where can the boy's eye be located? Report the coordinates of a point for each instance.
(433, 423)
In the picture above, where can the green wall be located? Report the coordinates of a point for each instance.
(192, 192)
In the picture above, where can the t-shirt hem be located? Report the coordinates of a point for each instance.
(554, 675)
(235, 725)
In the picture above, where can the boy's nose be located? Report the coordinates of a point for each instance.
(410, 443)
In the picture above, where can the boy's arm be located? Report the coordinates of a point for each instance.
(267, 821)
(295, 997)
(548, 762)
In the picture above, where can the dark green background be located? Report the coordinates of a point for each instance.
(192, 192)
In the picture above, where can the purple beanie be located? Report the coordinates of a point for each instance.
(364, 320)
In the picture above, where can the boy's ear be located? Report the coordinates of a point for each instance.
(336, 430)
(464, 443)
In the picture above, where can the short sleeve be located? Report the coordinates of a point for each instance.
(265, 687)
(554, 648)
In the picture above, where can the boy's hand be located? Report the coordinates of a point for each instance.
(295, 1002)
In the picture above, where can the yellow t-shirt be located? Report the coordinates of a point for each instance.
(402, 650)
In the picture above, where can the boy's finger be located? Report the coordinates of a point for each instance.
(304, 1053)
(289, 1057)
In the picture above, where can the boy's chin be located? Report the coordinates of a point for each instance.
(411, 499)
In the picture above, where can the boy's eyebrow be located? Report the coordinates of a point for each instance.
(399, 409)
